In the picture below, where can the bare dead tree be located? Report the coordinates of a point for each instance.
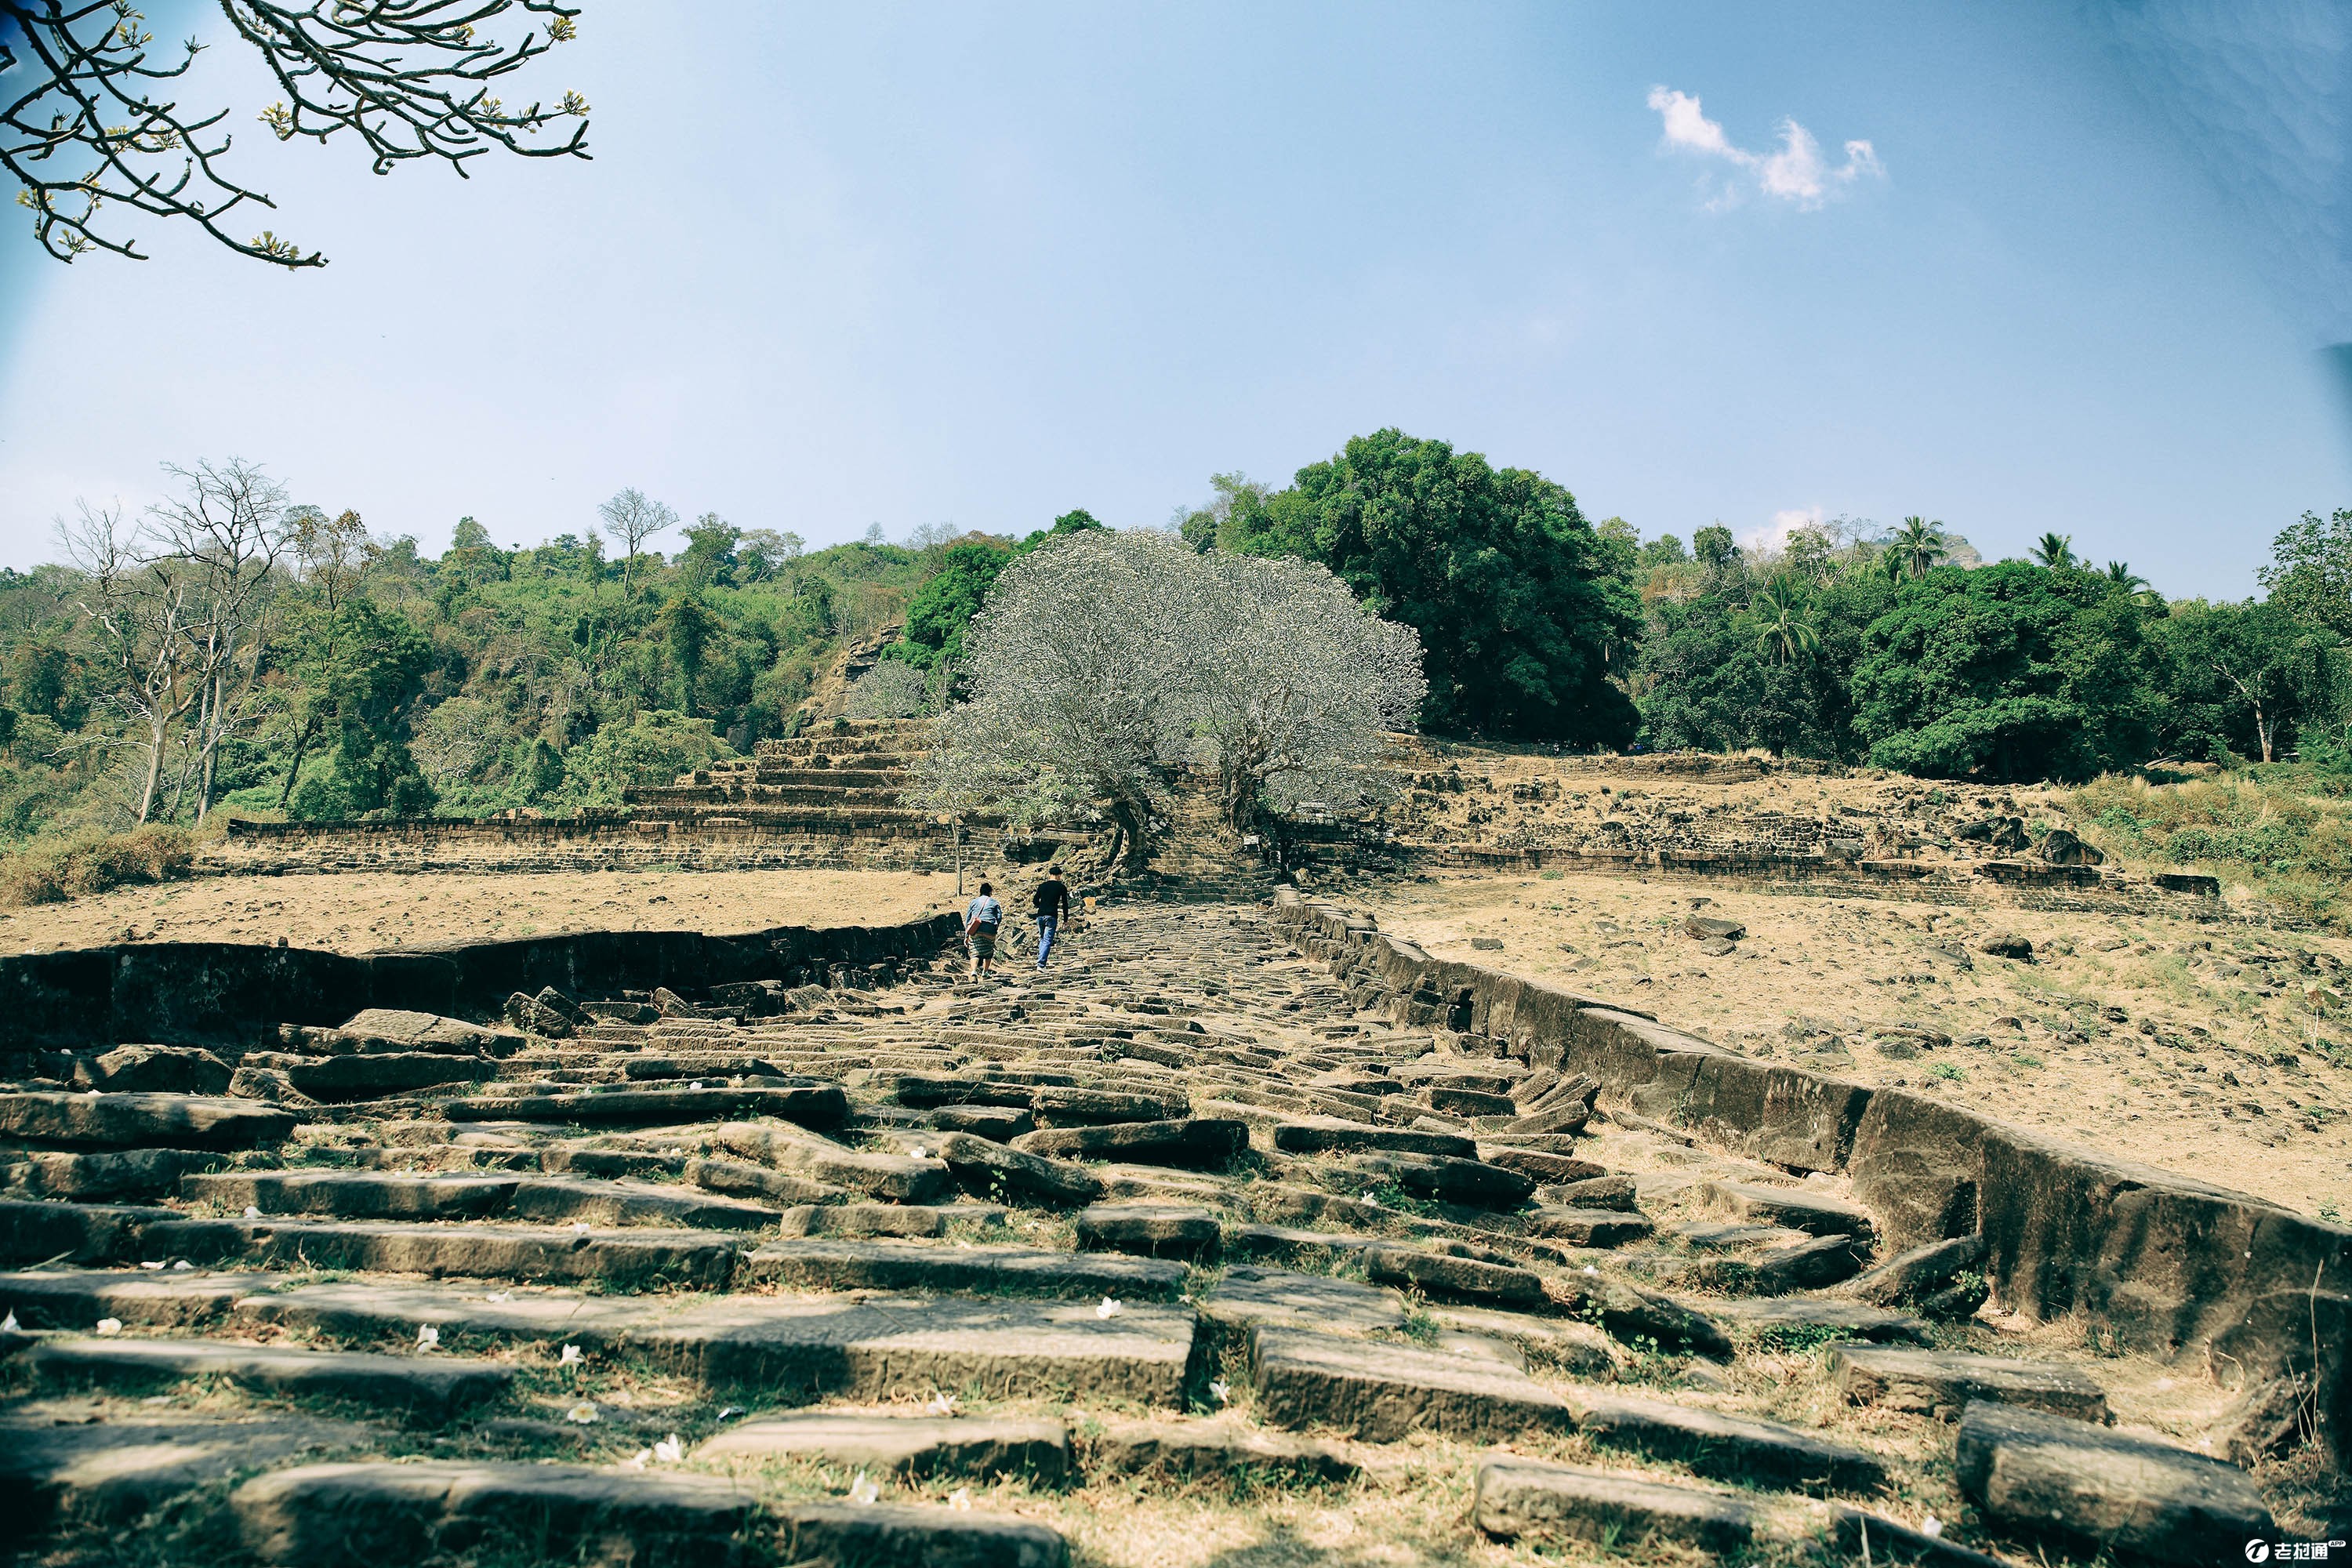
(90, 123)
(136, 611)
(636, 517)
(223, 534)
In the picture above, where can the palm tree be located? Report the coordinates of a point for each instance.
(1782, 631)
(1918, 544)
(2132, 584)
(2055, 551)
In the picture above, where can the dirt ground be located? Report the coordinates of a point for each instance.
(360, 912)
(2204, 1047)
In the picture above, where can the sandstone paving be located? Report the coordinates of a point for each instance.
(1197, 1210)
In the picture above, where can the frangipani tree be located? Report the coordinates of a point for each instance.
(1104, 662)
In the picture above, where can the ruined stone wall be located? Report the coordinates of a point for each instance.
(203, 992)
(525, 844)
(2172, 1266)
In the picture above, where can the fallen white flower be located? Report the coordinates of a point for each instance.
(670, 1449)
(636, 1461)
(8, 1323)
(960, 1499)
(579, 1227)
(584, 1414)
(109, 1325)
(939, 1405)
(152, 1267)
(251, 1212)
(180, 1263)
(1221, 1390)
(499, 1296)
(917, 1151)
(1110, 1309)
(427, 1337)
(571, 1356)
(731, 1412)
(1931, 1525)
(863, 1492)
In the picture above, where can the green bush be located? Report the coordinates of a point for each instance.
(93, 863)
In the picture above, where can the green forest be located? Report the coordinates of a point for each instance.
(235, 652)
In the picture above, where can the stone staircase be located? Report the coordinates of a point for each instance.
(1129, 1262)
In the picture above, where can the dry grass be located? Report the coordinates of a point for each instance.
(94, 863)
(2284, 833)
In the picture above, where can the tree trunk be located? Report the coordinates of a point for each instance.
(1132, 819)
(294, 769)
(154, 771)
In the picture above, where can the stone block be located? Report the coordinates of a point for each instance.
(902, 1445)
(1520, 1499)
(1943, 1383)
(1380, 1392)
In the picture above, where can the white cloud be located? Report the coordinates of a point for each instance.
(1795, 174)
(1775, 534)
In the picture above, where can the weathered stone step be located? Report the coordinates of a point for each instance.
(899, 1178)
(909, 1221)
(1811, 1318)
(1324, 1135)
(1584, 1228)
(353, 1194)
(1246, 1295)
(823, 1264)
(598, 1202)
(427, 1387)
(341, 1079)
(364, 1515)
(1463, 1278)
(105, 1177)
(1185, 1450)
(39, 1231)
(2134, 1497)
(1452, 1179)
(1380, 1392)
(1149, 1230)
(1726, 1446)
(996, 1169)
(903, 1445)
(79, 1298)
(647, 1258)
(813, 1105)
(882, 1347)
(1208, 1142)
(1520, 1499)
(932, 1537)
(107, 1472)
(99, 1121)
(1943, 1383)
(1815, 1213)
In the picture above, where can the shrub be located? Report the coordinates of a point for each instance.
(93, 863)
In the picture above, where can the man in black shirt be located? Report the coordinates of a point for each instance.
(1053, 903)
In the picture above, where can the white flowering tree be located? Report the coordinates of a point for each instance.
(1103, 663)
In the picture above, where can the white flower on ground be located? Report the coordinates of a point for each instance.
(731, 1412)
(1931, 1525)
(1110, 1309)
(670, 1449)
(941, 1405)
(178, 1263)
(1221, 1391)
(427, 1337)
(1370, 1202)
(959, 1499)
(8, 1323)
(584, 1413)
(251, 1212)
(862, 1492)
(636, 1461)
(579, 1227)
(571, 1356)
(1591, 1270)
(499, 1296)
(152, 1267)
(109, 1325)
(917, 1151)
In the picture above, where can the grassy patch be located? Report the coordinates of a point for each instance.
(2282, 830)
(94, 863)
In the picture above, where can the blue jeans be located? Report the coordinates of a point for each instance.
(1045, 927)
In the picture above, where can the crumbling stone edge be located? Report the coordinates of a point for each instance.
(2170, 1266)
(203, 992)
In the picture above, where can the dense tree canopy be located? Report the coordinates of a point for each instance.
(1520, 605)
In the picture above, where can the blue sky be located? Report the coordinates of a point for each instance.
(980, 264)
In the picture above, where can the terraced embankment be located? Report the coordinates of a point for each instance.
(1242, 1235)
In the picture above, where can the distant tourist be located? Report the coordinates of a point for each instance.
(980, 927)
(1053, 903)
